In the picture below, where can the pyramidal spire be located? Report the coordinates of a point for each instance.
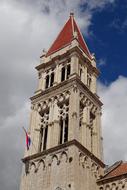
(69, 32)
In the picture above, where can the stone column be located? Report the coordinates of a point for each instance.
(74, 63)
(63, 130)
(56, 133)
(34, 131)
(99, 136)
(93, 83)
(50, 126)
(56, 73)
(95, 138)
(44, 129)
(84, 127)
(49, 136)
(88, 130)
(56, 128)
(43, 80)
(59, 73)
(49, 79)
(85, 75)
(73, 130)
(40, 81)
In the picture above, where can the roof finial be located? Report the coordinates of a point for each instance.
(71, 14)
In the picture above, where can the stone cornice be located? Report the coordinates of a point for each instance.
(110, 179)
(67, 84)
(65, 145)
(67, 54)
(93, 96)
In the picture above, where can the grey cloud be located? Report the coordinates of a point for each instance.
(12, 141)
(114, 120)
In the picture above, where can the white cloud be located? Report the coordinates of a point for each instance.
(101, 62)
(99, 4)
(114, 119)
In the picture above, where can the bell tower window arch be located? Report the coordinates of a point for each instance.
(45, 138)
(44, 130)
(63, 137)
(49, 79)
(65, 72)
(63, 122)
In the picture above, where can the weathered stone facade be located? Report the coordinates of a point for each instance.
(68, 166)
(65, 123)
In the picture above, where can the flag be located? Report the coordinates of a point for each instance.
(28, 139)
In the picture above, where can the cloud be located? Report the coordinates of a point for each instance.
(99, 4)
(119, 25)
(101, 62)
(27, 27)
(114, 119)
(12, 143)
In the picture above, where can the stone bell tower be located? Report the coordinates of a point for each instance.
(65, 125)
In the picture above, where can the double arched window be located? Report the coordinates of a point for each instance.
(63, 122)
(49, 80)
(44, 130)
(63, 130)
(65, 72)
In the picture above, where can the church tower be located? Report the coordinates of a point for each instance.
(65, 124)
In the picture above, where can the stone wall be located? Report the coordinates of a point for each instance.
(67, 168)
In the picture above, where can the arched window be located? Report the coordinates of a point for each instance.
(65, 72)
(41, 139)
(52, 79)
(66, 129)
(45, 138)
(80, 73)
(63, 130)
(44, 130)
(68, 71)
(47, 81)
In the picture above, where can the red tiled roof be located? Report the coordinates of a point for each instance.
(120, 169)
(66, 36)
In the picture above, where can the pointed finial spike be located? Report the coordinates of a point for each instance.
(71, 14)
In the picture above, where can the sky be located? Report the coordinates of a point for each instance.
(26, 28)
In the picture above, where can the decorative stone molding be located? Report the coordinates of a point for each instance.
(35, 165)
(75, 88)
(58, 188)
(88, 103)
(61, 148)
(115, 185)
(88, 163)
(74, 115)
(41, 161)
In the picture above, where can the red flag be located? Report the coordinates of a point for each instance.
(28, 140)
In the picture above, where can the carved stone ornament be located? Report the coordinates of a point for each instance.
(58, 188)
(75, 88)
